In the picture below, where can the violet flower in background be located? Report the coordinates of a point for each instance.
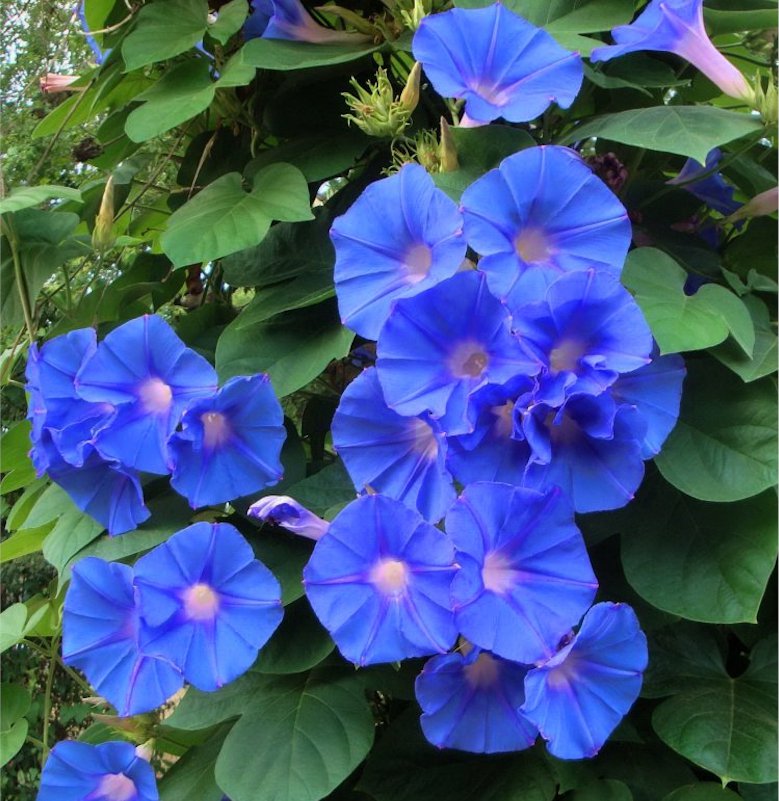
(229, 444)
(206, 604)
(498, 62)
(100, 636)
(438, 348)
(472, 703)
(112, 771)
(539, 214)
(150, 376)
(400, 457)
(288, 19)
(713, 190)
(97, 51)
(379, 583)
(525, 578)
(580, 695)
(400, 237)
(676, 26)
(281, 510)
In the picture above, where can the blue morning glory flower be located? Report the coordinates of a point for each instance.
(379, 583)
(713, 190)
(490, 452)
(229, 444)
(656, 392)
(148, 373)
(591, 448)
(472, 703)
(288, 19)
(400, 457)
(100, 636)
(54, 404)
(400, 237)
(105, 490)
(525, 578)
(586, 330)
(438, 348)
(579, 696)
(62, 434)
(543, 208)
(676, 26)
(498, 62)
(206, 603)
(98, 53)
(110, 771)
(281, 510)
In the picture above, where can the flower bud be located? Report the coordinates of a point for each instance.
(103, 233)
(374, 108)
(409, 97)
(448, 149)
(51, 83)
(286, 512)
(413, 16)
(760, 205)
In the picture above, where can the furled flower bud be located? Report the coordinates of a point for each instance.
(409, 97)
(760, 205)
(103, 233)
(52, 83)
(411, 17)
(448, 149)
(765, 101)
(286, 512)
(375, 109)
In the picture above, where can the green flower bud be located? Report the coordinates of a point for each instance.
(103, 233)
(374, 108)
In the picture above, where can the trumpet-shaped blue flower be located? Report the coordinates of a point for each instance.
(712, 189)
(656, 393)
(105, 490)
(472, 703)
(543, 208)
(100, 636)
(206, 603)
(498, 62)
(287, 19)
(579, 696)
(281, 510)
(525, 578)
(110, 771)
(676, 26)
(379, 583)
(591, 448)
(150, 376)
(229, 444)
(400, 237)
(586, 331)
(438, 348)
(400, 457)
(490, 452)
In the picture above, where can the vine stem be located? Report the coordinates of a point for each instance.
(21, 285)
(47, 699)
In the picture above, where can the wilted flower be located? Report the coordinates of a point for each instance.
(712, 189)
